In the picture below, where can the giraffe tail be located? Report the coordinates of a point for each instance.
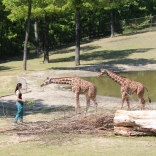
(148, 95)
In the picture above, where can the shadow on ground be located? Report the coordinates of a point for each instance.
(5, 68)
(104, 54)
(9, 108)
(112, 57)
(64, 51)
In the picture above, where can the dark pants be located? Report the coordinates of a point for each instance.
(19, 115)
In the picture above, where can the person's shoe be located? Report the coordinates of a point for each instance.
(14, 123)
(21, 122)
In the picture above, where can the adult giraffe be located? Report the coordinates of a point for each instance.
(79, 86)
(128, 87)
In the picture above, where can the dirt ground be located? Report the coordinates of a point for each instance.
(55, 95)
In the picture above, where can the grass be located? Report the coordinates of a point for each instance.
(7, 85)
(127, 50)
(135, 49)
(68, 144)
(82, 145)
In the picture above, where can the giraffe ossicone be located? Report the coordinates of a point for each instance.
(128, 87)
(79, 86)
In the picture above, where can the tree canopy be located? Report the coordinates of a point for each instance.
(57, 22)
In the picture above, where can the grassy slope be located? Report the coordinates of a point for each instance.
(131, 49)
(118, 50)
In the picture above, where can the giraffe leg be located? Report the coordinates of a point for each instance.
(141, 100)
(77, 106)
(128, 104)
(87, 103)
(95, 103)
(123, 99)
(143, 106)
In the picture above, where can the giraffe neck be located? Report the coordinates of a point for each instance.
(115, 77)
(62, 80)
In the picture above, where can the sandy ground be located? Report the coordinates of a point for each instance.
(54, 95)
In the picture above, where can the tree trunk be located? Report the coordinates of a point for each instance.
(26, 37)
(46, 47)
(112, 23)
(1, 39)
(77, 48)
(36, 37)
(133, 123)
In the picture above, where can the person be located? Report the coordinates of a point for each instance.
(19, 103)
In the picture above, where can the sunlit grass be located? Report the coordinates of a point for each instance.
(131, 49)
(79, 145)
(68, 144)
(127, 50)
(7, 85)
(106, 50)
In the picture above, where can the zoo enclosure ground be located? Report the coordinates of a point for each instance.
(122, 53)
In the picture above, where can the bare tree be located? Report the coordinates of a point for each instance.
(27, 36)
(46, 45)
(36, 37)
(77, 48)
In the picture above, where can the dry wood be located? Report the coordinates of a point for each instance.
(99, 124)
(130, 123)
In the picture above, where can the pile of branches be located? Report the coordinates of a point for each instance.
(102, 124)
(91, 124)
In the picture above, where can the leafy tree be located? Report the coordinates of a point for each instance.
(18, 10)
(3, 18)
(61, 22)
(44, 10)
(27, 35)
(78, 5)
(10, 34)
(111, 5)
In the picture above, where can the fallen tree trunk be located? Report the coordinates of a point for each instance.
(135, 123)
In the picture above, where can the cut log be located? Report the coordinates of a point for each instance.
(133, 123)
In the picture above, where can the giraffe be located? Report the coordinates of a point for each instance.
(79, 86)
(128, 87)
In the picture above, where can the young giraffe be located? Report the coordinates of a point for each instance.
(128, 87)
(79, 86)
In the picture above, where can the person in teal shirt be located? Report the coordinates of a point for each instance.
(19, 103)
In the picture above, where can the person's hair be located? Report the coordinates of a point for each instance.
(18, 85)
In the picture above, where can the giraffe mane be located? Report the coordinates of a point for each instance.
(123, 76)
(65, 77)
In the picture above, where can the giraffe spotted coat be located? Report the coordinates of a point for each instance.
(79, 86)
(128, 87)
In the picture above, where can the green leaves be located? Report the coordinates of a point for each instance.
(82, 4)
(18, 9)
(30, 103)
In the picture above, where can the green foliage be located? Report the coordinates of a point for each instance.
(82, 4)
(144, 24)
(94, 16)
(137, 24)
(17, 7)
(29, 103)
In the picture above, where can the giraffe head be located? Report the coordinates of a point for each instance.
(102, 72)
(45, 82)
